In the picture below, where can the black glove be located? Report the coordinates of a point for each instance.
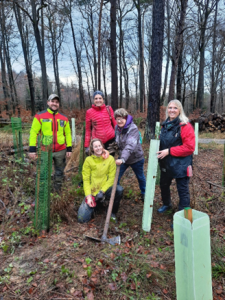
(100, 196)
(87, 151)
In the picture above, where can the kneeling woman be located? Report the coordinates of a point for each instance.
(98, 173)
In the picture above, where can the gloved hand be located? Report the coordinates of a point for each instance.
(87, 151)
(100, 196)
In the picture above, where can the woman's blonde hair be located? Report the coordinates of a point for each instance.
(182, 115)
(91, 149)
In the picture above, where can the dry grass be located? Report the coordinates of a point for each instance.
(74, 159)
(212, 135)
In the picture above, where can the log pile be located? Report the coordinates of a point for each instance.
(211, 122)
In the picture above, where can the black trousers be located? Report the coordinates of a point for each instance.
(182, 188)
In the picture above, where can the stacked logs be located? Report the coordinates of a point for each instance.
(211, 122)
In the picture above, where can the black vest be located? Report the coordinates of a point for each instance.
(170, 136)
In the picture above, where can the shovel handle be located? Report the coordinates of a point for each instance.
(111, 201)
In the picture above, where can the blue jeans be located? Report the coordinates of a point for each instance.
(85, 212)
(182, 188)
(138, 169)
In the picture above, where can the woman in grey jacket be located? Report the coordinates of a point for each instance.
(127, 138)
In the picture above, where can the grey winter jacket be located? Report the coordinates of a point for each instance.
(128, 140)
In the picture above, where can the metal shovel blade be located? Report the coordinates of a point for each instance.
(113, 241)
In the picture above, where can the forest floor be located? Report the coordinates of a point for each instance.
(64, 264)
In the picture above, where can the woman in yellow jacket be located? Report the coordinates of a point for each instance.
(98, 173)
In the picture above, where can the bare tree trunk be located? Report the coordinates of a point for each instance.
(177, 48)
(179, 73)
(104, 74)
(5, 40)
(213, 83)
(89, 62)
(114, 77)
(56, 37)
(41, 52)
(25, 46)
(200, 88)
(141, 55)
(120, 62)
(221, 91)
(99, 45)
(5, 86)
(156, 68)
(204, 15)
(78, 59)
(126, 77)
(168, 52)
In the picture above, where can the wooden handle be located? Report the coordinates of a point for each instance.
(111, 201)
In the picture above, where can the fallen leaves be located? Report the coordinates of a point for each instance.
(112, 286)
(219, 290)
(154, 264)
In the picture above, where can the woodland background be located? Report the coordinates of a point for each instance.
(139, 53)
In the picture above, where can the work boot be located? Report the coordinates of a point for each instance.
(164, 208)
(142, 197)
(57, 187)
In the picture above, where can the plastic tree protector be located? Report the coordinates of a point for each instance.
(192, 256)
(43, 183)
(73, 131)
(150, 185)
(196, 139)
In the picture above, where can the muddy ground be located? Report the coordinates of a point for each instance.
(64, 264)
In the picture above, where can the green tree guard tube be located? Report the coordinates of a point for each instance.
(150, 185)
(43, 184)
(192, 256)
(196, 139)
(73, 131)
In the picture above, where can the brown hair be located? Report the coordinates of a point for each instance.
(91, 150)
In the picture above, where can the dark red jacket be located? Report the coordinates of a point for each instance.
(188, 140)
(99, 125)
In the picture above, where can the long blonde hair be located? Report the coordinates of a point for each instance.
(183, 118)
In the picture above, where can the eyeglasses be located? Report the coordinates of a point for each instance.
(119, 120)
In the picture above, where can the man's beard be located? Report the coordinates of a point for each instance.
(53, 109)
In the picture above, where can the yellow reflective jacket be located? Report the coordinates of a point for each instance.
(98, 174)
(51, 124)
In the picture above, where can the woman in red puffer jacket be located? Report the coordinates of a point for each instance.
(100, 122)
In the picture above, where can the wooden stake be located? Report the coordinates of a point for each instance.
(188, 214)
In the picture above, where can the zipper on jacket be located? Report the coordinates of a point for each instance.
(54, 132)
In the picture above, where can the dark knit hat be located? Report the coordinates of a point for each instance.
(98, 93)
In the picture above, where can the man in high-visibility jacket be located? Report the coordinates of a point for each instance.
(52, 123)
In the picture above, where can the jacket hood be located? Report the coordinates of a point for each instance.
(128, 122)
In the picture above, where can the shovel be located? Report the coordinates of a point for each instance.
(115, 240)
